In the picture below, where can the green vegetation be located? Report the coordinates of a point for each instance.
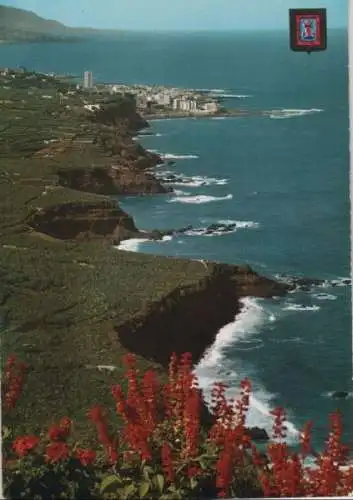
(63, 301)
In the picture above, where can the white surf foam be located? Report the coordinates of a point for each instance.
(198, 180)
(171, 156)
(340, 281)
(246, 324)
(324, 296)
(301, 307)
(280, 114)
(235, 96)
(215, 91)
(199, 199)
(133, 244)
(241, 224)
(179, 192)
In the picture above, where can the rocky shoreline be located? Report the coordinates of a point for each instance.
(69, 299)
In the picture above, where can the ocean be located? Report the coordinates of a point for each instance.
(280, 183)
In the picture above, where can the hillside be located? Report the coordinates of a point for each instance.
(22, 25)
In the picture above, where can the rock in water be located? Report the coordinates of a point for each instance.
(257, 434)
(340, 394)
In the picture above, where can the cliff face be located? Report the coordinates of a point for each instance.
(126, 171)
(190, 317)
(84, 220)
(112, 180)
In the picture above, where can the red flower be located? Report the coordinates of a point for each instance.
(57, 451)
(167, 462)
(194, 471)
(65, 423)
(57, 433)
(85, 456)
(14, 381)
(305, 439)
(95, 414)
(25, 444)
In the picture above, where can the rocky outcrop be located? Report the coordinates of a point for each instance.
(258, 434)
(114, 180)
(101, 219)
(180, 323)
(340, 395)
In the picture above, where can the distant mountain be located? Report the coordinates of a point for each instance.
(18, 25)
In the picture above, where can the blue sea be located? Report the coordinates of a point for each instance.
(283, 180)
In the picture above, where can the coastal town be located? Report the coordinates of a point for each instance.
(152, 101)
(157, 98)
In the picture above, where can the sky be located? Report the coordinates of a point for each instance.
(215, 15)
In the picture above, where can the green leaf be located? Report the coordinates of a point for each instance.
(129, 490)
(203, 464)
(160, 482)
(6, 432)
(193, 483)
(110, 482)
(144, 489)
(147, 470)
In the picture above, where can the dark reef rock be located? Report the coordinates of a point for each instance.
(257, 434)
(301, 283)
(340, 394)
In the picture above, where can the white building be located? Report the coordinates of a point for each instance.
(211, 107)
(88, 80)
(176, 104)
(162, 99)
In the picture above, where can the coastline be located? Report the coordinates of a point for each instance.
(198, 116)
(60, 225)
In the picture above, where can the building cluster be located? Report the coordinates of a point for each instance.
(158, 98)
(155, 97)
(12, 72)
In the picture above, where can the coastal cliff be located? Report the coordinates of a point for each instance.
(72, 304)
(192, 315)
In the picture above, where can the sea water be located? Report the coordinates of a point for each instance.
(281, 180)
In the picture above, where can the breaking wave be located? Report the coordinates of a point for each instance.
(171, 156)
(210, 369)
(280, 114)
(134, 244)
(131, 245)
(199, 199)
